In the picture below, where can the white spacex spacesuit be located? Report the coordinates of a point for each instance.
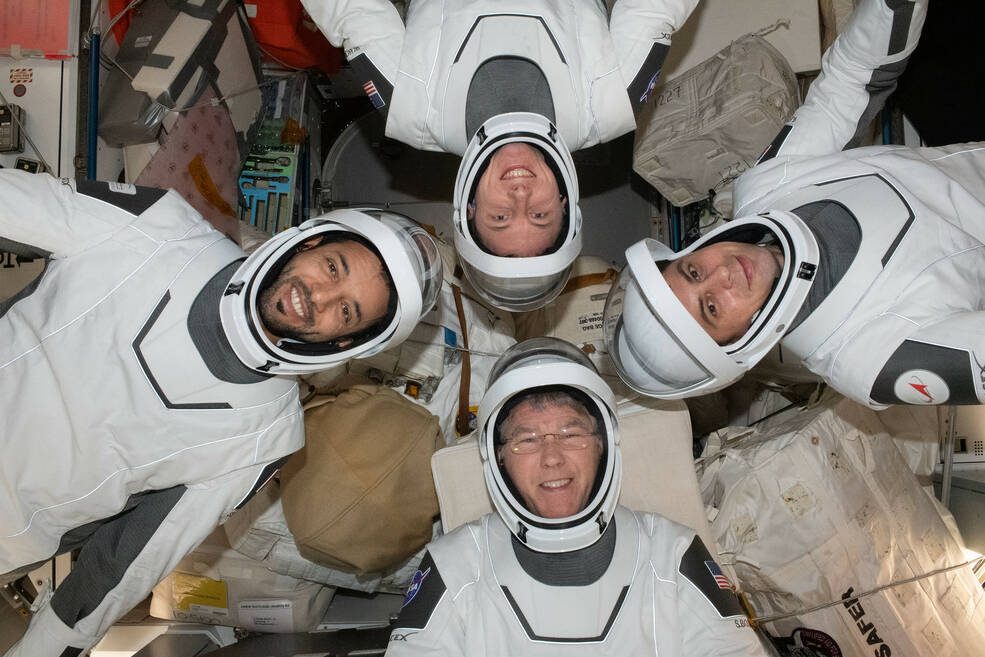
(127, 427)
(132, 425)
(434, 77)
(470, 77)
(905, 324)
(882, 291)
(606, 581)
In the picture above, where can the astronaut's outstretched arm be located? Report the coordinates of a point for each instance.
(858, 72)
(126, 556)
(371, 34)
(42, 215)
(942, 363)
(641, 31)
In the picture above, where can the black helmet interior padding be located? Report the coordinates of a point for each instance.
(747, 233)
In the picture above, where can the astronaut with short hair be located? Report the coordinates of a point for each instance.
(560, 567)
(867, 265)
(149, 374)
(513, 87)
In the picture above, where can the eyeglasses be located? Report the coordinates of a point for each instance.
(528, 443)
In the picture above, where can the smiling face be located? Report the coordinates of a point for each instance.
(517, 209)
(723, 285)
(553, 482)
(324, 292)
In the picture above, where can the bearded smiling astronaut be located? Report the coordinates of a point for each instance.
(866, 265)
(325, 292)
(149, 374)
(560, 568)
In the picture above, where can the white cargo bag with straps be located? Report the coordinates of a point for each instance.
(833, 537)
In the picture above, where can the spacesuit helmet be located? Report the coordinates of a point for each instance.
(549, 365)
(517, 283)
(656, 345)
(407, 254)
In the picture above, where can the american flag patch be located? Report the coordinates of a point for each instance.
(373, 94)
(719, 576)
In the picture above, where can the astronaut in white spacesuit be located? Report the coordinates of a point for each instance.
(560, 568)
(513, 87)
(137, 376)
(866, 265)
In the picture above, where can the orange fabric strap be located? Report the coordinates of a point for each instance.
(462, 419)
(578, 282)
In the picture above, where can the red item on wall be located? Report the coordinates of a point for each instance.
(33, 27)
(120, 29)
(287, 35)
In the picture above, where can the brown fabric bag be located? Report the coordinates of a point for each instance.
(359, 496)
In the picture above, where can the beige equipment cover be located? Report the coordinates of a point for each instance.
(835, 15)
(357, 496)
(658, 470)
(829, 530)
(702, 129)
(217, 585)
(576, 316)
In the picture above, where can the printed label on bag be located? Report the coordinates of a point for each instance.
(266, 615)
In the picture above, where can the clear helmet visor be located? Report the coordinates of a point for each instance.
(645, 351)
(519, 293)
(661, 350)
(538, 351)
(421, 251)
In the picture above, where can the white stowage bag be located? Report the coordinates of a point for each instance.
(820, 510)
(702, 129)
(217, 585)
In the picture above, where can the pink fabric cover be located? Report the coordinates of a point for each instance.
(205, 130)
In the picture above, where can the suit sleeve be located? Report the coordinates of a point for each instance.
(952, 350)
(430, 622)
(42, 215)
(858, 73)
(712, 621)
(371, 34)
(127, 556)
(641, 31)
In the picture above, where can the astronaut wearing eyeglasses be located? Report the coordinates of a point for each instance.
(561, 568)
